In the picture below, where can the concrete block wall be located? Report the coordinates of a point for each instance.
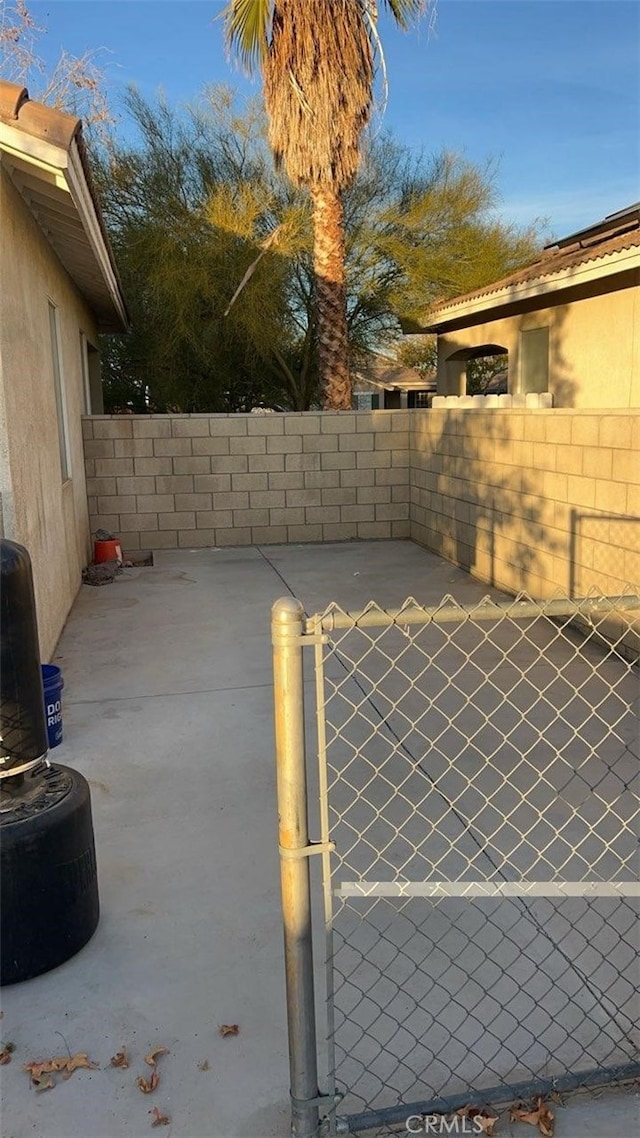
(189, 481)
(536, 500)
(527, 499)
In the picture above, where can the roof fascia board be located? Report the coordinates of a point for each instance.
(609, 264)
(85, 205)
(48, 160)
(36, 148)
(64, 169)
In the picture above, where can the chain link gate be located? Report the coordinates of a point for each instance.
(477, 807)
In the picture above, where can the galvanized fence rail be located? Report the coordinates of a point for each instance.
(476, 801)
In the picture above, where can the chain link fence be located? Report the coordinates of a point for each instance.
(478, 816)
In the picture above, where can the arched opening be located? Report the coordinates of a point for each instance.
(488, 371)
(478, 371)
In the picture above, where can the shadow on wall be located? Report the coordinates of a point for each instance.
(561, 376)
(604, 552)
(492, 491)
(534, 362)
(502, 528)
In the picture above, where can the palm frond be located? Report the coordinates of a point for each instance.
(405, 12)
(247, 27)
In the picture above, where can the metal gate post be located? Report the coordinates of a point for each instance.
(286, 630)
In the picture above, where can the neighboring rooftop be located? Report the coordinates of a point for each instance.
(382, 373)
(605, 242)
(44, 152)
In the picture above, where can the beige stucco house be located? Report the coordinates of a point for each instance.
(59, 289)
(568, 324)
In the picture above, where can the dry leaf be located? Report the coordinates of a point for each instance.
(42, 1082)
(151, 1058)
(541, 1117)
(228, 1029)
(159, 1119)
(204, 1066)
(483, 1121)
(6, 1053)
(120, 1059)
(67, 1064)
(148, 1085)
(80, 1061)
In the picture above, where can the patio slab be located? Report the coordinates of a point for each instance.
(168, 713)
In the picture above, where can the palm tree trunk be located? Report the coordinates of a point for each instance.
(331, 298)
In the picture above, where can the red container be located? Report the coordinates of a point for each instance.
(107, 551)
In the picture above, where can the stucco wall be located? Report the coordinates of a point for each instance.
(594, 349)
(48, 517)
(166, 482)
(535, 500)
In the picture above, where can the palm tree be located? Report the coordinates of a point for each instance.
(317, 64)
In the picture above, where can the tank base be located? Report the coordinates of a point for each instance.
(48, 877)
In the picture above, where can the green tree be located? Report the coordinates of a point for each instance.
(317, 63)
(186, 205)
(215, 249)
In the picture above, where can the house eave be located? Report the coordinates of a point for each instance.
(508, 300)
(53, 184)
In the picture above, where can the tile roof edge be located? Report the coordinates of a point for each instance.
(36, 119)
(545, 268)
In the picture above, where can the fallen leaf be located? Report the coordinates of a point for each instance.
(80, 1061)
(151, 1058)
(67, 1064)
(483, 1121)
(228, 1029)
(6, 1053)
(541, 1117)
(42, 1082)
(148, 1085)
(159, 1119)
(120, 1059)
(204, 1066)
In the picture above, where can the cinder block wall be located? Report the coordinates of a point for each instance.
(184, 481)
(535, 500)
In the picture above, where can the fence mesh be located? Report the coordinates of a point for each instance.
(481, 782)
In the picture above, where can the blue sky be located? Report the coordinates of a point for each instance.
(549, 88)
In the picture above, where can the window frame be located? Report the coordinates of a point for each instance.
(62, 415)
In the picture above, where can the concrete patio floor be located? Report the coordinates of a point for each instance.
(168, 713)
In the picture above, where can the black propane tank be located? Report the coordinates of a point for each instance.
(23, 732)
(48, 878)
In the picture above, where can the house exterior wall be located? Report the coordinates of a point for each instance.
(533, 500)
(594, 350)
(188, 481)
(46, 516)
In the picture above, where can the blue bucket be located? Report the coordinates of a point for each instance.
(53, 684)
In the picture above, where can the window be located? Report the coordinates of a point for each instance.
(534, 360)
(419, 398)
(61, 406)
